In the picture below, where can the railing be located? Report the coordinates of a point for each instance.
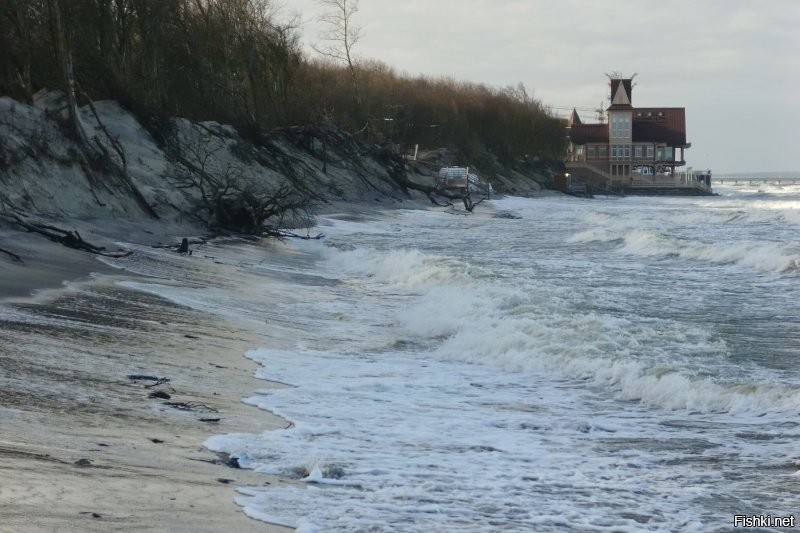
(751, 181)
(630, 159)
(682, 180)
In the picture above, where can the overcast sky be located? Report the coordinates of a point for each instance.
(733, 64)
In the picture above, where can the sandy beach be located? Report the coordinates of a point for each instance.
(83, 446)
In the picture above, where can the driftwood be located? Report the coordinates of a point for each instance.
(283, 234)
(142, 377)
(469, 205)
(162, 381)
(191, 406)
(156, 381)
(70, 239)
(12, 255)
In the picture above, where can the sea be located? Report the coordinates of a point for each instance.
(545, 364)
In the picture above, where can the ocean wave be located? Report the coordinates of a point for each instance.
(778, 257)
(533, 329)
(405, 267)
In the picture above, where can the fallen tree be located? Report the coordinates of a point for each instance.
(68, 238)
(229, 198)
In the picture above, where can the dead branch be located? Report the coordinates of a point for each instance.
(469, 205)
(191, 406)
(282, 234)
(70, 239)
(465, 197)
(142, 377)
(12, 255)
(162, 381)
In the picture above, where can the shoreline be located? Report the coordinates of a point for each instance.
(84, 447)
(106, 455)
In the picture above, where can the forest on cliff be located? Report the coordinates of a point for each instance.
(241, 62)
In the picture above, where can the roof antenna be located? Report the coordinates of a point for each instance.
(601, 115)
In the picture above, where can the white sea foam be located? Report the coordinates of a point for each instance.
(775, 256)
(420, 444)
(535, 374)
(409, 267)
(528, 327)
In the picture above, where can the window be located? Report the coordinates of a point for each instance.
(579, 151)
(591, 151)
(620, 125)
(603, 151)
(637, 151)
(649, 151)
(621, 151)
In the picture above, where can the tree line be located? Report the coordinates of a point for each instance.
(241, 62)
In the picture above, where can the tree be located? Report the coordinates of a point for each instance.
(341, 35)
(62, 36)
(20, 28)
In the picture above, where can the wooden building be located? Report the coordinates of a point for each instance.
(635, 150)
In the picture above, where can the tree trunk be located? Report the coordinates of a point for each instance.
(64, 54)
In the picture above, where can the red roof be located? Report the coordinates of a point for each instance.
(589, 133)
(650, 124)
(660, 124)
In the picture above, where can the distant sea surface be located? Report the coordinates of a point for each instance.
(613, 364)
(776, 177)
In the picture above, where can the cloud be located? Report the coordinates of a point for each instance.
(714, 57)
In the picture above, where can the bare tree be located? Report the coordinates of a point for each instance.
(230, 199)
(340, 35)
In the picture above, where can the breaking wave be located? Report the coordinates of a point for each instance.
(532, 327)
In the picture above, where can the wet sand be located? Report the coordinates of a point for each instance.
(85, 448)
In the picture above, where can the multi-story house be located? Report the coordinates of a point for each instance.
(636, 150)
